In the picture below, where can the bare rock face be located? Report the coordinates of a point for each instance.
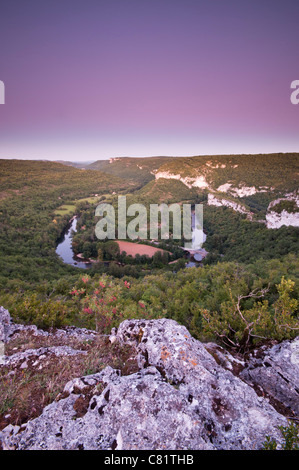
(186, 395)
(275, 374)
(5, 323)
(106, 411)
(233, 415)
(37, 356)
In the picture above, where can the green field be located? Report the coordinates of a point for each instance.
(66, 209)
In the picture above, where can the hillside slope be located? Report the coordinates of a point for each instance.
(137, 169)
(253, 179)
(248, 184)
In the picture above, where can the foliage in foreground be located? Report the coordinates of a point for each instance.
(290, 435)
(237, 305)
(237, 326)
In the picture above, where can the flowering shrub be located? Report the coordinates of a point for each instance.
(104, 303)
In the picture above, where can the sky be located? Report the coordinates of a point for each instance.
(92, 79)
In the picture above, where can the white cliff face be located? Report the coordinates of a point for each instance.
(244, 191)
(275, 220)
(224, 187)
(198, 181)
(239, 192)
(215, 201)
(215, 165)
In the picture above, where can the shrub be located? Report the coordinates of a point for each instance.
(290, 435)
(44, 314)
(238, 326)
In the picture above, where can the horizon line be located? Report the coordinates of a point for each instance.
(149, 156)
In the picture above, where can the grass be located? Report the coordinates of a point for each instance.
(66, 209)
(90, 200)
(24, 392)
(69, 209)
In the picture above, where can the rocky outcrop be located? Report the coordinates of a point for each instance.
(276, 219)
(5, 324)
(9, 328)
(185, 395)
(274, 373)
(241, 191)
(198, 181)
(106, 411)
(219, 201)
(37, 357)
(234, 416)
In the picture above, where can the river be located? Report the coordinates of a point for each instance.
(65, 251)
(64, 248)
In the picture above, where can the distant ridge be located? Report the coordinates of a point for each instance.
(75, 164)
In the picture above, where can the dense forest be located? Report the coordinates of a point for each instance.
(248, 269)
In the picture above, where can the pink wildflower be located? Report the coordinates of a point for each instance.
(87, 310)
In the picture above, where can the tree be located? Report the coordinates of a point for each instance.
(100, 254)
(238, 327)
(87, 249)
(286, 320)
(111, 249)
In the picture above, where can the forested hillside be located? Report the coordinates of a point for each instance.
(136, 169)
(30, 198)
(249, 268)
(278, 171)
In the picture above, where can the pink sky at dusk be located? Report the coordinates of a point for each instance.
(87, 80)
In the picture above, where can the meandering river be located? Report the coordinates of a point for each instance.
(65, 251)
(64, 248)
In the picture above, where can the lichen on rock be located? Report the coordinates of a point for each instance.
(184, 396)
